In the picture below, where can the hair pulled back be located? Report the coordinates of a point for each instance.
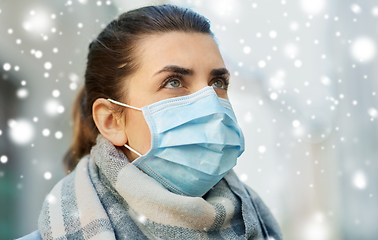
(112, 58)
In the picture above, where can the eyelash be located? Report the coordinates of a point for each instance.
(170, 78)
(225, 81)
(179, 77)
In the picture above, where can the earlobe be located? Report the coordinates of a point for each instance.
(108, 122)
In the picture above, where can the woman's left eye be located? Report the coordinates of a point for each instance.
(220, 83)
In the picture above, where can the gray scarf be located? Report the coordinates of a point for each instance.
(106, 197)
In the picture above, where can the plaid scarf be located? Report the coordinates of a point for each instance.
(106, 197)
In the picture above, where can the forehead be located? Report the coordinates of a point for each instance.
(185, 49)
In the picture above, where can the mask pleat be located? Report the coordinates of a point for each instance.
(195, 141)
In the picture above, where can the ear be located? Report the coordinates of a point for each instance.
(108, 122)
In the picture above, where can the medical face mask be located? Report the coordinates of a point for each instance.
(195, 141)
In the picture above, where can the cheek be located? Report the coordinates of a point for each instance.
(137, 131)
(221, 93)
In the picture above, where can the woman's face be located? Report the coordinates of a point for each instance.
(171, 65)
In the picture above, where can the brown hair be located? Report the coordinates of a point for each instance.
(111, 58)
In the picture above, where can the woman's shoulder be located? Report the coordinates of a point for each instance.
(32, 236)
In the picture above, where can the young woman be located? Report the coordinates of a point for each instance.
(155, 140)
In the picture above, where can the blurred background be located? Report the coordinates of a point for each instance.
(304, 88)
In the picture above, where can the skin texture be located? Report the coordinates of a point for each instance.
(153, 81)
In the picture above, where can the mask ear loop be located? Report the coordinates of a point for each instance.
(125, 105)
(128, 147)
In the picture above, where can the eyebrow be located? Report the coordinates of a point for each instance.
(219, 72)
(176, 69)
(187, 71)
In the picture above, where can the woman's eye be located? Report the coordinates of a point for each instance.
(175, 83)
(219, 84)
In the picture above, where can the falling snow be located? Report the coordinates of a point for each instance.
(355, 8)
(272, 34)
(262, 64)
(56, 93)
(261, 149)
(246, 49)
(73, 86)
(298, 63)
(296, 123)
(359, 180)
(47, 175)
(302, 87)
(22, 93)
(58, 135)
(38, 54)
(7, 66)
(51, 199)
(3, 159)
(21, 131)
(373, 112)
(313, 7)
(46, 132)
(48, 65)
(363, 49)
(374, 11)
(142, 219)
(273, 96)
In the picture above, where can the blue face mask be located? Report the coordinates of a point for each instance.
(195, 141)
